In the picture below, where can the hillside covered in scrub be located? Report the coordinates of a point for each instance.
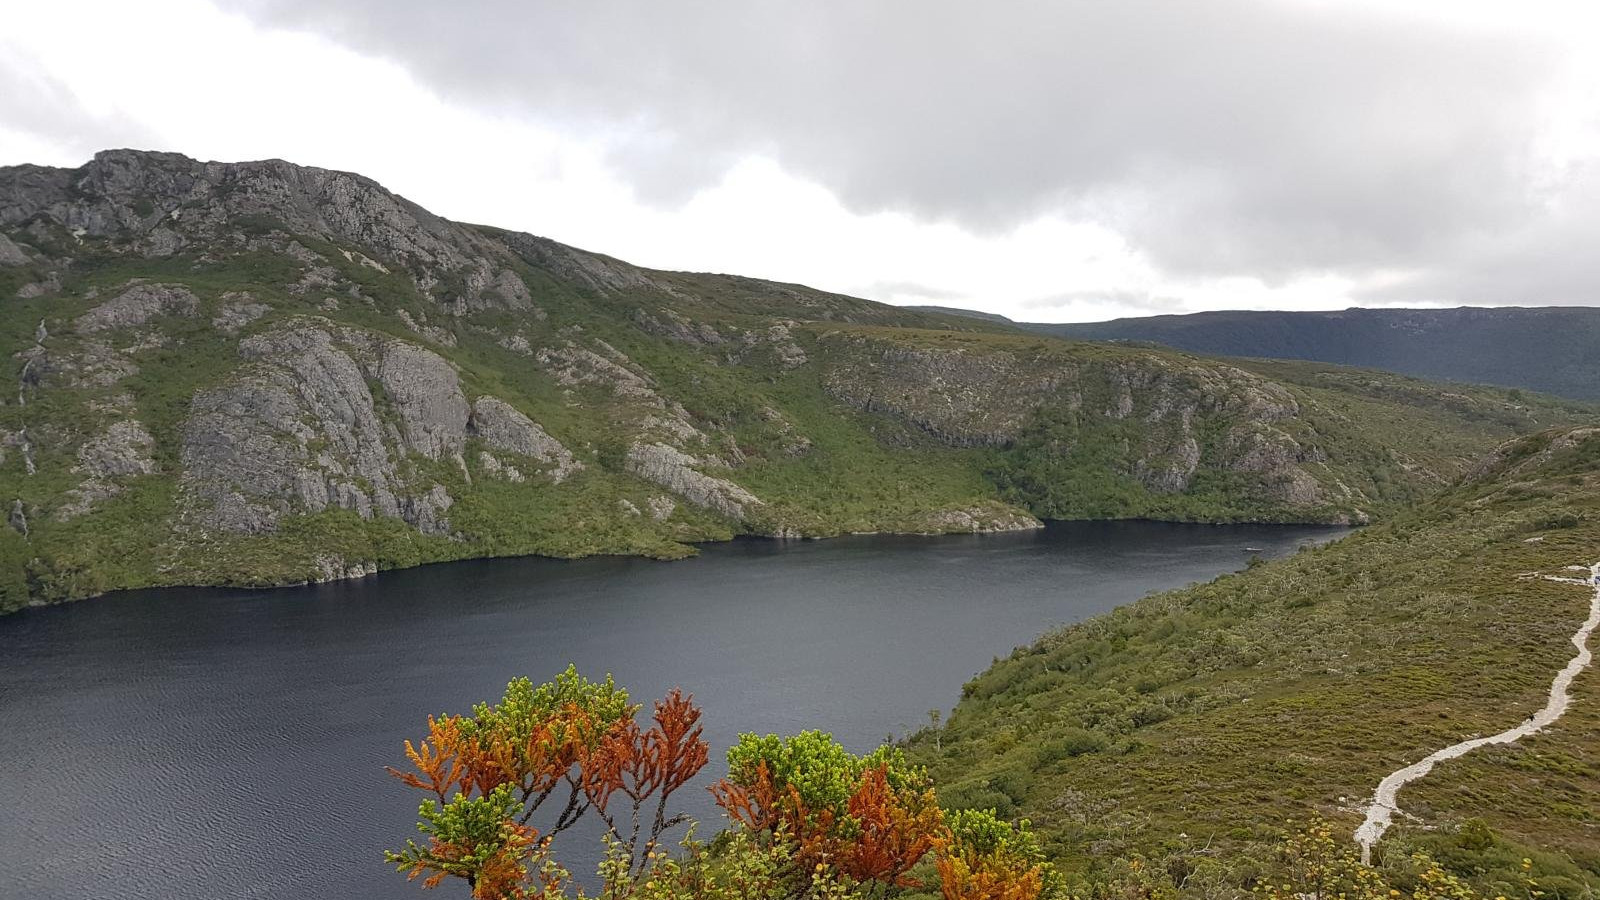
(261, 373)
(1184, 734)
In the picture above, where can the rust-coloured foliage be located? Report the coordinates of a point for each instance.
(893, 830)
(970, 876)
(437, 758)
(642, 765)
(491, 771)
(755, 807)
(883, 833)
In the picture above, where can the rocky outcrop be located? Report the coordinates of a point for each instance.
(594, 271)
(573, 365)
(980, 520)
(137, 305)
(238, 310)
(661, 508)
(1170, 417)
(124, 450)
(733, 342)
(503, 427)
(90, 363)
(298, 430)
(327, 416)
(427, 398)
(648, 414)
(676, 471)
(160, 204)
(11, 254)
(963, 398)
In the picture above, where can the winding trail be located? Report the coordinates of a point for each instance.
(1381, 810)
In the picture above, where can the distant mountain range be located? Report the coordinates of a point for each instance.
(1553, 349)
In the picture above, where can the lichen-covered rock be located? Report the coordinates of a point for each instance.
(90, 364)
(965, 399)
(427, 396)
(497, 469)
(51, 284)
(336, 568)
(138, 305)
(124, 450)
(11, 254)
(676, 471)
(980, 520)
(661, 508)
(298, 430)
(238, 310)
(503, 427)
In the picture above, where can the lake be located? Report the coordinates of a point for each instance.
(207, 743)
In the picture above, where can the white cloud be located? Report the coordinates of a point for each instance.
(183, 75)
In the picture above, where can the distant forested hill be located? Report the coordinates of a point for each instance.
(1550, 349)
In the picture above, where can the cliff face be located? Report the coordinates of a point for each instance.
(261, 372)
(1177, 416)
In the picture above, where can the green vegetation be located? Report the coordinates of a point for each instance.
(688, 407)
(807, 819)
(1197, 725)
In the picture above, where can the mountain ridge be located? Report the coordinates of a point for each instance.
(261, 373)
(1552, 349)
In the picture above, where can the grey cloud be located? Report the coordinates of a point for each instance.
(1547, 259)
(910, 289)
(1221, 137)
(1134, 302)
(34, 102)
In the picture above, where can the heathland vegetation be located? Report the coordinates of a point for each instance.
(260, 373)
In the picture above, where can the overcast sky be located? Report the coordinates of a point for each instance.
(1050, 161)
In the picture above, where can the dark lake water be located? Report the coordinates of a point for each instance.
(206, 743)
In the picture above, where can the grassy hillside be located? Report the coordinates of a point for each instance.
(260, 373)
(1551, 349)
(1193, 728)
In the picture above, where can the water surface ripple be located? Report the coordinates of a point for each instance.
(203, 743)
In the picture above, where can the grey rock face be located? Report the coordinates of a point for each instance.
(138, 305)
(93, 364)
(964, 398)
(675, 470)
(170, 203)
(18, 520)
(497, 469)
(124, 450)
(336, 568)
(981, 520)
(11, 254)
(1172, 474)
(503, 427)
(298, 430)
(661, 508)
(427, 395)
(50, 285)
(601, 274)
(238, 310)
